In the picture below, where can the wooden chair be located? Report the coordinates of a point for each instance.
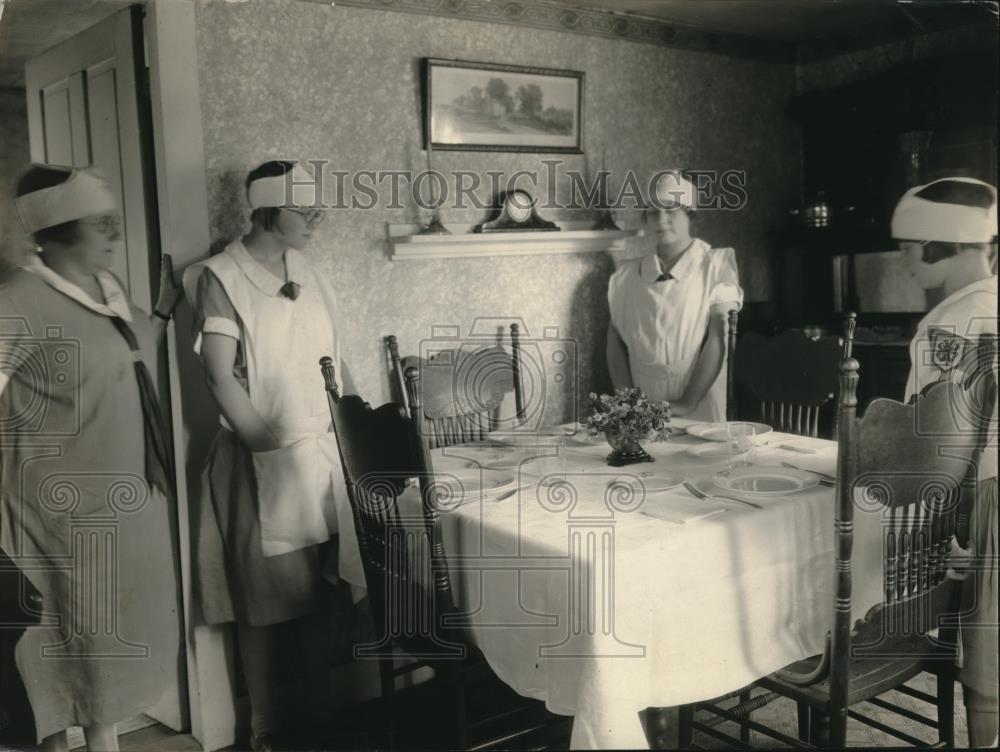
(731, 402)
(791, 378)
(403, 555)
(889, 458)
(462, 389)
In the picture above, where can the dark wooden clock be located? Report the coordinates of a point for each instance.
(517, 214)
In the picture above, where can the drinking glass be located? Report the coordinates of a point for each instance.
(742, 444)
(550, 462)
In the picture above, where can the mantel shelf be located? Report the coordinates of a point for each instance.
(573, 237)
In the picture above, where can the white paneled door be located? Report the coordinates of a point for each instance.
(86, 107)
(83, 109)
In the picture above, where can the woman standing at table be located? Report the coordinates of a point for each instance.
(945, 230)
(667, 334)
(264, 318)
(86, 473)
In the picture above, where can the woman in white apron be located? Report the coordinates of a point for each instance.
(945, 230)
(86, 488)
(264, 317)
(667, 334)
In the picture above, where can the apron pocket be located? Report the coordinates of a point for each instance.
(293, 487)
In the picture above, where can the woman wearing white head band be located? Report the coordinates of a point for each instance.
(668, 311)
(945, 229)
(264, 317)
(86, 472)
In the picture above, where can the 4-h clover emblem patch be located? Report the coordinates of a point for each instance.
(946, 348)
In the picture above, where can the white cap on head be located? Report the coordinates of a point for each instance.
(674, 191)
(84, 193)
(295, 188)
(949, 210)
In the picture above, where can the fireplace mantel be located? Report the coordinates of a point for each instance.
(573, 237)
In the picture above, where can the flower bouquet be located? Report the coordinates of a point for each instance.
(627, 419)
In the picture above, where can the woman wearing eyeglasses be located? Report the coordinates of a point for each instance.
(263, 319)
(86, 501)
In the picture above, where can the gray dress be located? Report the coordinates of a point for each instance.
(77, 514)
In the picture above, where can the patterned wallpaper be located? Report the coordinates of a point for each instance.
(14, 159)
(310, 81)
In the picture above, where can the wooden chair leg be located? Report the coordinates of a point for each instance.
(744, 728)
(387, 680)
(819, 728)
(685, 732)
(803, 713)
(837, 731)
(458, 704)
(946, 708)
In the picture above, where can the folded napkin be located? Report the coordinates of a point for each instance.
(823, 458)
(680, 510)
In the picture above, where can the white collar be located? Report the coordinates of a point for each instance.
(117, 301)
(261, 277)
(651, 268)
(988, 284)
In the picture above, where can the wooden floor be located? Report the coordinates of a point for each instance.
(362, 727)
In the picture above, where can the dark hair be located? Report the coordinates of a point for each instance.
(39, 178)
(267, 216)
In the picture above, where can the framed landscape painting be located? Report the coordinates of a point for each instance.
(472, 106)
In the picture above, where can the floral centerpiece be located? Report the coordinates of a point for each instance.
(627, 419)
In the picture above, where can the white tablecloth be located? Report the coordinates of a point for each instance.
(602, 612)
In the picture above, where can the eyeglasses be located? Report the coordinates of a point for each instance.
(105, 224)
(312, 217)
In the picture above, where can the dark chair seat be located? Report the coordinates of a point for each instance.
(868, 677)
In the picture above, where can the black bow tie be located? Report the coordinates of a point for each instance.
(290, 290)
(664, 277)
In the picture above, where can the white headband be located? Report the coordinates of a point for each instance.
(295, 188)
(673, 190)
(85, 193)
(918, 218)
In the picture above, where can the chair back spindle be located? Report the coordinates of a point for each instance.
(791, 377)
(515, 346)
(733, 324)
(397, 370)
(850, 322)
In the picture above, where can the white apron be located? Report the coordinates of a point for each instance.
(302, 497)
(663, 322)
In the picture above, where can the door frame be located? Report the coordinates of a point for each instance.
(182, 196)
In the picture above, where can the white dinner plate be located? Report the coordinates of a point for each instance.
(650, 482)
(711, 451)
(719, 432)
(765, 481)
(485, 456)
(543, 436)
(473, 482)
